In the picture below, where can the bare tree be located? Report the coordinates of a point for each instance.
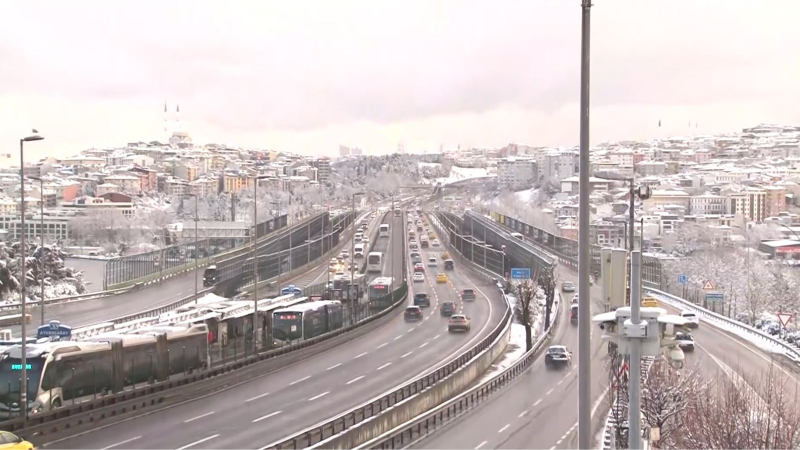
(526, 308)
(547, 280)
(666, 396)
(753, 412)
(617, 396)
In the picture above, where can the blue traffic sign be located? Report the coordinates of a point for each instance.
(55, 331)
(682, 279)
(520, 273)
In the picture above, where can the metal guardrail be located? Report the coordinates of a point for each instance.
(421, 426)
(151, 395)
(17, 306)
(716, 319)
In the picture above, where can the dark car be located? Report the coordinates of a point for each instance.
(468, 295)
(210, 276)
(423, 243)
(573, 313)
(685, 341)
(412, 314)
(421, 299)
(449, 264)
(557, 356)
(415, 257)
(447, 309)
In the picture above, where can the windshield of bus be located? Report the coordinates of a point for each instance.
(209, 273)
(287, 326)
(11, 378)
(374, 259)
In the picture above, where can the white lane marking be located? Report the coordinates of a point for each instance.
(355, 379)
(504, 428)
(437, 336)
(267, 416)
(523, 414)
(198, 417)
(406, 354)
(319, 396)
(480, 445)
(121, 443)
(549, 392)
(199, 442)
(383, 345)
(537, 402)
(384, 366)
(558, 442)
(257, 397)
(409, 331)
(398, 337)
(559, 383)
(302, 379)
(553, 448)
(423, 345)
(359, 356)
(334, 366)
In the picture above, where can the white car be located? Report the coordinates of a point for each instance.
(419, 277)
(435, 243)
(692, 318)
(432, 262)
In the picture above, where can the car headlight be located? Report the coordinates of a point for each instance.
(35, 407)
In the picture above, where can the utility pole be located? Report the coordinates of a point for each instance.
(41, 250)
(255, 264)
(634, 388)
(584, 257)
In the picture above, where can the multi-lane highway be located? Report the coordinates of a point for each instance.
(295, 397)
(540, 409)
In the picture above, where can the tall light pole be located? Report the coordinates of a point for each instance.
(41, 247)
(196, 240)
(23, 388)
(255, 261)
(584, 257)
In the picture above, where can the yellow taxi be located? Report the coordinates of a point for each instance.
(10, 441)
(650, 302)
(441, 278)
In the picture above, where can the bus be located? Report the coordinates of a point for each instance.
(210, 276)
(517, 236)
(397, 211)
(378, 291)
(61, 371)
(384, 230)
(358, 250)
(306, 321)
(374, 260)
(341, 283)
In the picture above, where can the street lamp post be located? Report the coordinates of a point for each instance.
(352, 251)
(41, 246)
(23, 388)
(196, 240)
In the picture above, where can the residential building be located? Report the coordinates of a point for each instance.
(706, 204)
(774, 200)
(127, 183)
(651, 168)
(749, 203)
(516, 173)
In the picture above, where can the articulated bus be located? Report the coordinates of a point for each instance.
(305, 321)
(63, 370)
(374, 260)
(384, 230)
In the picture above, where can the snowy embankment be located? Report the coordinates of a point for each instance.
(464, 173)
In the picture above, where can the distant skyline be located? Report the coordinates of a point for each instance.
(309, 76)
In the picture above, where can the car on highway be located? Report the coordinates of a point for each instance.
(10, 441)
(418, 277)
(432, 262)
(419, 267)
(449, 264)
(685, 341)
(345, 254)
(358, 237)
(413, 246)
(458, 322)
(567, 286)
(419, 227)
(423, 243)
(574, 298)
(412, 314)
(557, 356)
(573, 313)
(447, 309)
(441, 278)
(692, 318)
(468, 295)
(435, 243)
(422, 300)
(650, 302)
(415, 257)
(334, 264)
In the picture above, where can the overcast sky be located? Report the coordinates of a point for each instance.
(309, 75)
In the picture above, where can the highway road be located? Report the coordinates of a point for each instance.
(280, 403)
(540, 409)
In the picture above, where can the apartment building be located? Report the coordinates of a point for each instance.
(651, 168)
(706, 204)
(750, 203)
(774, 200)
(323, 166)
(516, 173)
(127, 183)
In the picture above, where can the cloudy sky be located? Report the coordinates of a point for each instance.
(310, 75)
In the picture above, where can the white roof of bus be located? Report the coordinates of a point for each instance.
(375, 253)
(385, 225)
(381, 280)
(309, 306)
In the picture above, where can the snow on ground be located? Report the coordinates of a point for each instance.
(527, 195)
(464, 173)
(764, 344)
(431, 165)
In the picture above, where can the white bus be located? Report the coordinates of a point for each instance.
(374, 260)
(384, 230)
(517, 235)
(358, 251)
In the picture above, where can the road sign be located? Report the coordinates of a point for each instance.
(520, 273)
(709, 286)
(715, 296)
(785, 318)
(682, 279)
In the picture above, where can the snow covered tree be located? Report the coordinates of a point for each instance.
(666, 397)
(547, 280)
(526, 308)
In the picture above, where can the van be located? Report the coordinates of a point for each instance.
(449, 264)
(358, 251)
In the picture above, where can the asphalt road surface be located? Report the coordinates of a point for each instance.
(311, 391)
